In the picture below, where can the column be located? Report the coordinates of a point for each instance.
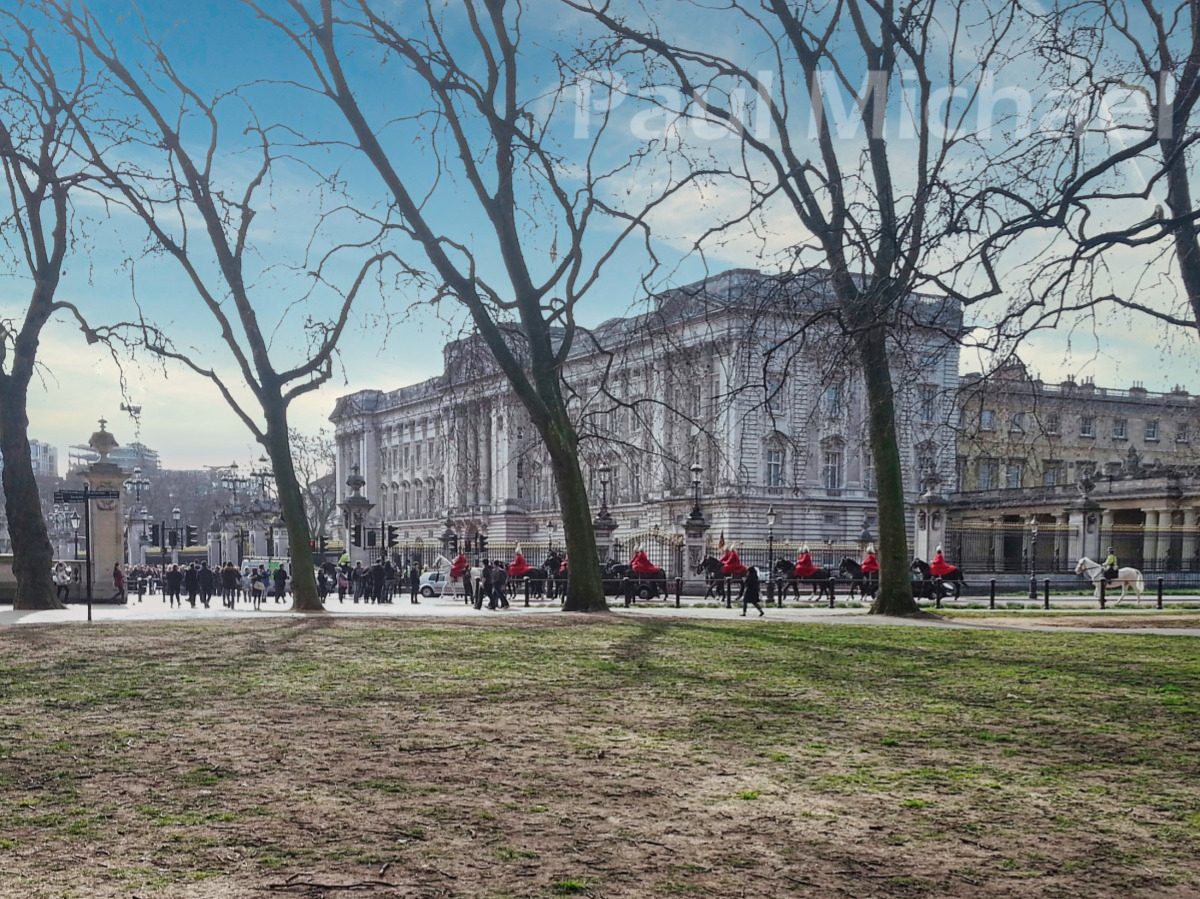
(1150, 559)
(1191, 521)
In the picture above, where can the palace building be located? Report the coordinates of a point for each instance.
(735, 389)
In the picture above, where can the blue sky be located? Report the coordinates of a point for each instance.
(219, 44)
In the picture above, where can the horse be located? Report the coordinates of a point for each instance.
(866, 585)
(441, 563)
(820, 580)
(714, 574)
(1126, 577)
(952, 581)
(646, 586)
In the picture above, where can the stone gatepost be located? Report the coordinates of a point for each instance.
(107, 525)
(1085, 517)
(604, 525)
(930, 516)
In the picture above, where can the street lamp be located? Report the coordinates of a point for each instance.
(605, 473)
(176, 514)
(231, 481)
(770, 536)
(136, 484)
(75, 520)
(1033, 532)
(696, 515)
(263, 472)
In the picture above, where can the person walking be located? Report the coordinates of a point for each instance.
(485, 585)
(118, 577)
(191, 583)
(229, 584)
(750, 592)
(280, 578)
(172, 586)
(62, 581)
(204, 577)
(414, 581)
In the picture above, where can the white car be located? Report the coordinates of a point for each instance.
(433, 582)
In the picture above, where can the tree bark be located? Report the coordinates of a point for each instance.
(585, 589)
(33, 556)
(895, 587)
(291, 504)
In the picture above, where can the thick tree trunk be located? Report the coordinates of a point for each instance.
(33, 556)
(291, 505)
(585, 590)
(895, 587)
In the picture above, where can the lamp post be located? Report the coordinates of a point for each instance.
(605, 473)
(176, 514)
(1033, 532)
(75, 520)
(263, 473)
(770, 537)
(696, 515)
(230, 481)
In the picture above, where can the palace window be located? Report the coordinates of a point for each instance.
(1012, 475)
(1119, 429)
(989, 474)
(1087, 426)
(831, 400)
(1181, 434)
(987, 420)
(1016, 423)
(1052, 474)
(831, 471)
(775, 394)
(1152, 432)
(1052, 423)
(774, 472)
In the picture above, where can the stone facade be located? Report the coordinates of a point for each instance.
(743, 374)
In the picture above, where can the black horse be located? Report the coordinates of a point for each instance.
(865, 584)
(714, 575)
(645, 586)
(821, 581)
(950, 584)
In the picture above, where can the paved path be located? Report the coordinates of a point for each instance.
(152, 608)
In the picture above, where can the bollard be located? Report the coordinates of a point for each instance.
(1160, 586)
(1102, 583)
(678, 591)
(729, 593)
(937, 594)
(627, 589)
(526, 592)
(1033, 591)
(992, 594)
(832, 590)
(1046, 603)
(770, 590)
(780, 590)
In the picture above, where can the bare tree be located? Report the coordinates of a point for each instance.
(875, 216)
(313, 456)
(175, 182)
(482, 101)
(40, 105)
(1114, 167)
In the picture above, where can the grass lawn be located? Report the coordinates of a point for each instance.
(595, 756)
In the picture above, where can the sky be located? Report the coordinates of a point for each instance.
(388, 344)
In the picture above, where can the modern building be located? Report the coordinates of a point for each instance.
(44, 458)
(736, 389)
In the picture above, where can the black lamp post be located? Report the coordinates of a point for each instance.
(696, 515)
(1033, 534)
(75, 520)
(263, 473)
(770, 537)
(605, 473)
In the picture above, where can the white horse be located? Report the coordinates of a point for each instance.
(450, 585)
(1126, 577)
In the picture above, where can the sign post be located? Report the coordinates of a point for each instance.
(85, 496)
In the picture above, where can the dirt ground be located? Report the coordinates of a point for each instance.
(333, 758)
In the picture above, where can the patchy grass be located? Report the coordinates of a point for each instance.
(595, 756)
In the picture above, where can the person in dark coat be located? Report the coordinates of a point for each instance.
(280, 578)
(174, 585)
(229, 584)
(191, 583)
(204, 577)
(378, 581)
(750, 591)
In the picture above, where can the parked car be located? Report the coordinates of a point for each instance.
(433, 582)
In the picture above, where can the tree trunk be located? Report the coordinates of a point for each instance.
(585, 589)
(895, 587)
(291, 505)
(33, 556)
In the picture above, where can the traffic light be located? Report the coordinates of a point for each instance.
(156, 535)
(321, 543)
(482, 543)
(173, 536)
(393, 536)
(469, 548)
(371, 535)
(356, 535)
(192, 536)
